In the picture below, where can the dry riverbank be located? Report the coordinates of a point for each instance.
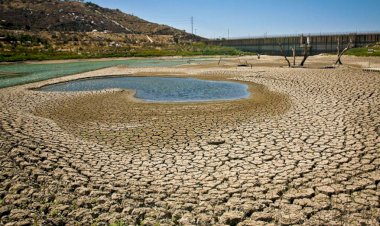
(304, 149)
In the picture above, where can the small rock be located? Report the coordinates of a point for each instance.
(232, 217)
(84, 202)
(299, 193)
(61, 208)
(17, 188)
(292, 218)
(327, 190)
(250, 222)
(216, 142)
(19, 214)
(20, 223)
(261, 216)
(83, 191)
(79, 213)
(4, 210)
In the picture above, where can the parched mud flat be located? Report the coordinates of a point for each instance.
(304, 149)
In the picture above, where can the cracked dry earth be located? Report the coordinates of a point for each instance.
(304, 150)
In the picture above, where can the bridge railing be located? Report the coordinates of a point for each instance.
(299, 34)
(320, 43)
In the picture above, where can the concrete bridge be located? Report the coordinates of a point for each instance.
(319, 43)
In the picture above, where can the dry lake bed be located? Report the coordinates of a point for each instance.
(302, 149)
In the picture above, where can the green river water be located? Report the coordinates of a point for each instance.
(22, 73)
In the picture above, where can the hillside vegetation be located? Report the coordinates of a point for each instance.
(20, 46)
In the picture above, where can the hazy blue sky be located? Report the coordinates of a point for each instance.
(213, 18)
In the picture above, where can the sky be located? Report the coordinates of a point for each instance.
(246, 18)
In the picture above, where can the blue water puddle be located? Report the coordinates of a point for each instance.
(17, 74)
(160, 89)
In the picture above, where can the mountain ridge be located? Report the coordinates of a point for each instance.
(76, 16)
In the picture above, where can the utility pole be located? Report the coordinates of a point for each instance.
(192, 25)
(228, 34)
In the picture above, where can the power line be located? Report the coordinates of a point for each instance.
(192, 25)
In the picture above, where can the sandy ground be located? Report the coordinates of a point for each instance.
(302, 150)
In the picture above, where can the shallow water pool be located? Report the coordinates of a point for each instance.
(22, 73)
(160, 89)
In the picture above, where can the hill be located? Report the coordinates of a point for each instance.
(75, 16)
